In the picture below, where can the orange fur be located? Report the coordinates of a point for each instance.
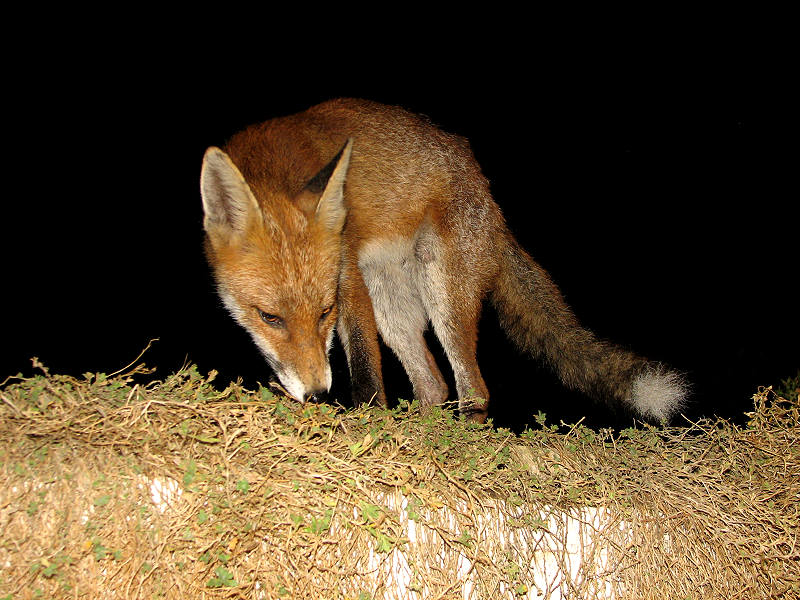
(371, 218)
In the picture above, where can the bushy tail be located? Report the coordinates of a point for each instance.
(535, 316)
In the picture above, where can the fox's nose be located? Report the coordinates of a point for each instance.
(320, 395)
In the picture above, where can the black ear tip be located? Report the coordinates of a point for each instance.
(316, 184)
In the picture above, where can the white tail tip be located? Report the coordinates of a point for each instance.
(657, 394)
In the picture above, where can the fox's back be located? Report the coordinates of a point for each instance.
(402, 167)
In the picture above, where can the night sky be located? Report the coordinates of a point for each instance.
(656, 193)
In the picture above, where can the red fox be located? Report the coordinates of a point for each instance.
(367, 219)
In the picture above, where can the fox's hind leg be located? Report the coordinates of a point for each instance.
(409, 345)
(457, 330)
(452, 295)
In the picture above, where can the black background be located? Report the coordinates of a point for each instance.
(657, 187)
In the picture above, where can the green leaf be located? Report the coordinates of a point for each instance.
(207, 440)
(370, 512)
(224, 578)
(318, 526)
(99, 551)
(102, 500)
(191, 472)
(50, 571)
(465, 540)
(384, 543)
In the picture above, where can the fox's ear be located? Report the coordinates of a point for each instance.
(228, 201)
(330, 210)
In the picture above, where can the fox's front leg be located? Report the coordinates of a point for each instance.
(359, 335)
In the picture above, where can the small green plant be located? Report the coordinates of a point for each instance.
(102, 501)
(190, 473)
(789, 387)
(319, 526)
(224, 578)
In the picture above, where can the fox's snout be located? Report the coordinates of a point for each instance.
(310, 379)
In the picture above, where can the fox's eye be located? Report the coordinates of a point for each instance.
(270, 319)
(326, 312)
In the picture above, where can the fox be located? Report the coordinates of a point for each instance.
(369, 221)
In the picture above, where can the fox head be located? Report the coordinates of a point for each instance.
(276, 259)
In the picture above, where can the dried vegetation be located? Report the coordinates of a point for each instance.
(111, 488)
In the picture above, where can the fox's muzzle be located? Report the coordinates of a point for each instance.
(314, 383)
